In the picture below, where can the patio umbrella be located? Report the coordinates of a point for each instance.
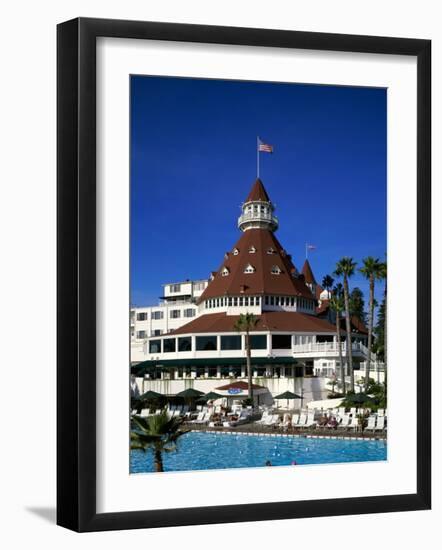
(288, 395)
(358, 398)
(210, 396)
(150, 395)
(190, 393)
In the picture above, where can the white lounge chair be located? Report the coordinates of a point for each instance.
(353, 424)
(345, 422)
(310, 421)
(380, 424)
(371, 423)
(265, 415)
(199, 419)
(301, 421)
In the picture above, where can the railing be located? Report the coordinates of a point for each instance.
(331, 347)
(258, 216)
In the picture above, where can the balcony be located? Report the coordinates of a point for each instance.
(330, 349)
(258, 218)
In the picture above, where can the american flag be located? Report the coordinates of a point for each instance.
(264, 147)
(311, 247)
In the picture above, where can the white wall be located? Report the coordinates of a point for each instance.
(27, 220)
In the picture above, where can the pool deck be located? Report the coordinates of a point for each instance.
(316, 433)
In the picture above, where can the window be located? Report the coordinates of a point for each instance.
(141, 334)
(205, 343)
(266, 300)
(185, 343)
(230, 342)
(249, 269)
(241, 301)
(157, 332)
(225, 272)
(292, 301)
(252, 250)
(281, 341)
(276, 270)
(258, 300)
(272, 300)
(271, 250)
(189, 312)
(175, 313)
(156, 315)
(230, 301)
(252, 300)
(155, 346)
(258, 341)
(235, 251)
(199, 286)
(169, 345)
(235, 301)
(175, 288)
(246, 301)
(141, 316)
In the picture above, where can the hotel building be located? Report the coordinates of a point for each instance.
(189, 339)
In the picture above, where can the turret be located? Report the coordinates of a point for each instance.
(257, 210)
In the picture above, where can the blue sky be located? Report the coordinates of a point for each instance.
(193, 161)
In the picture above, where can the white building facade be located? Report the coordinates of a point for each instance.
(189, 338)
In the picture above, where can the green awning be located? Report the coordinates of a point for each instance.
(148, 366)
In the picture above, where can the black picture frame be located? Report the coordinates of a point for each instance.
(76, 274)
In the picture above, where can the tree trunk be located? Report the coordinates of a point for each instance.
(370, 331)
(341, 362)
(348, 329)
(158, 459)
(249, 367)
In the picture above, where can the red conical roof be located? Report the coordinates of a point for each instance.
(261, 250)
(308, 273)
(258, 192)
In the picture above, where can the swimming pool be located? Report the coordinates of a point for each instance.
(207, 451)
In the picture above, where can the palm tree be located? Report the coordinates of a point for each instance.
(337, 305)
(371, 271)
(346, 268)
(158, 432)
(245, 323)
(327, 283)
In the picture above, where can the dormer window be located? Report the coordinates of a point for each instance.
(271, 250)
(276, 270)
(252, 250)
(249, 269)
(225, 272)
(235, 252)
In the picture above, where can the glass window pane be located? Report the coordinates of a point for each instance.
(205, 343)
(231, 342)
(169, 345)
(155, 346)
(258, 341)
(185, 343)
(281, 341)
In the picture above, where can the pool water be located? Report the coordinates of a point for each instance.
(207, 451)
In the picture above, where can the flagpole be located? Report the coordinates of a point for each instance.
(306, 251)
(257, 157)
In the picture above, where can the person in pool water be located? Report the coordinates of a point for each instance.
(268, 463)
